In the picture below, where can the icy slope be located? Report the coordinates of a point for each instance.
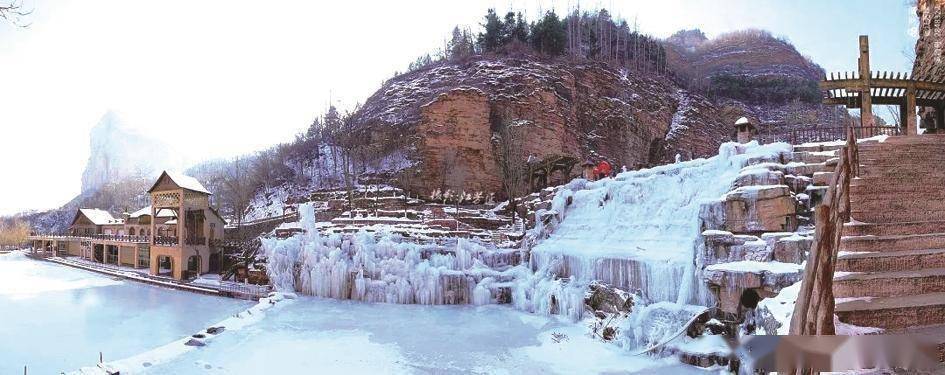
(639, 231)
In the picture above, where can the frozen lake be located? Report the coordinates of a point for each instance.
(56, 318)
(313, 335)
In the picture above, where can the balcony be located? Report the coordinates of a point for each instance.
(120, 238)
(196, 241)
(166, 241)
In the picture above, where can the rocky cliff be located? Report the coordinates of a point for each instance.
(446, 118)
(930, 48)
(118, 152)
(122, 165)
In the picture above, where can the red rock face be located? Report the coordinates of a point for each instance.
(447, 115)
(454, 142)
(930, 48)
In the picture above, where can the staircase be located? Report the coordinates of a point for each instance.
(890, 272)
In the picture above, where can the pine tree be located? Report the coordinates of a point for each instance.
(491, 38)
(549, 35)
(520, 32)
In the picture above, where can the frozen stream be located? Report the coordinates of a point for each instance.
(315, 335)
(56, 318)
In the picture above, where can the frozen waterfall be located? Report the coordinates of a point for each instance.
(638, 232)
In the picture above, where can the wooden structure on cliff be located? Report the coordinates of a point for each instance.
(864, 88)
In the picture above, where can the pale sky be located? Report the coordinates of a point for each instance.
(220, 78)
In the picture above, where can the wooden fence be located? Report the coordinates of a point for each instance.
(813, 311)
(796, 136)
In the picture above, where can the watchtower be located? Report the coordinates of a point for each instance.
(188, 253)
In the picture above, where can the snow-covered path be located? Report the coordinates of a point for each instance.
(314, 335)
(56, 318)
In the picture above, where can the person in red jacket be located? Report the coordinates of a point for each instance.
(603, 169)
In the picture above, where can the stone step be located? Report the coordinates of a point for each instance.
(906, 197)
(863, 186)
(893, 172)
(915, 147)
(907, 139)
(897, 166)
(893, 243)
(891, 203)
(912, 156)
(893, 312)
(903, 228)
(890, 260)
(813, 156)
(889, 284)
(886, 217)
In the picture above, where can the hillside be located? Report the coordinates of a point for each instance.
(753, 58)
(559, 108)
(763, 76)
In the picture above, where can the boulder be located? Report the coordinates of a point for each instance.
(723, 247)
(788, 247)
(752, 209)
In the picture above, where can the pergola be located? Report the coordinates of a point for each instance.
(864, 88)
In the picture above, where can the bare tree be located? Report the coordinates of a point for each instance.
(454, 176)
(511, 159)
(13, 233)
(894, 113)
(405, 178)
(237, 189)
(14, 13)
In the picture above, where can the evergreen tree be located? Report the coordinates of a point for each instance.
(520, 31)
(508, 29)
(549, 36)
(460, 45)
(491, 38)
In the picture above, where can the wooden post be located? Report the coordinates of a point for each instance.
(910, 124)
(866, 100)
(903, 119)
(940, 117)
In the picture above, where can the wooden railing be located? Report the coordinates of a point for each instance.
(796, 136)
(166, 241)
(120, 238)
(104, 237)
(814, 308)
(200, 241)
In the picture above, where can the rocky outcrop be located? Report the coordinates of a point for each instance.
(754, 74)
(750, 53)
(118, 152)
(445, 118)
(930, 47)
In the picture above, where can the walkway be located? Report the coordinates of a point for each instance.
(890, 272)
(223, 288)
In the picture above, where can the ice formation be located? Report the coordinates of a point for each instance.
(638, 232)
(384, 268)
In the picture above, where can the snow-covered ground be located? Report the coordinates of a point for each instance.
(57, 318)
(314, 335)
